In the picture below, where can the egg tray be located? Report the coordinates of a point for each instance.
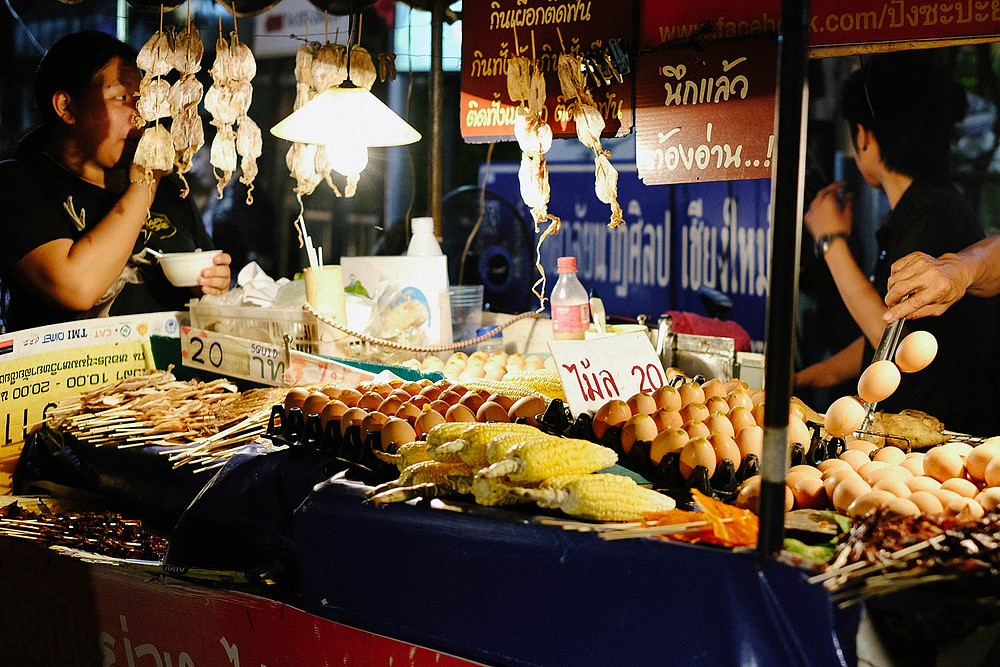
(355, 456)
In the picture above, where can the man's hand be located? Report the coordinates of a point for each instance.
(826, 215)
(215, 279)
(934, 285)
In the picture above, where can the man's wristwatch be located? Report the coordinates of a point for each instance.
(823, 243)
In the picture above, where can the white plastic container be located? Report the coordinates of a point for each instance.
(570, 303)
(423, 243)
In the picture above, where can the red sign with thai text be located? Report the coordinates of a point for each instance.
(706, 114)
(540, 30)
(834, 22)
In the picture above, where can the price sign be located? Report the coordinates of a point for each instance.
(233, 357)
(304, 368)
(595, 371)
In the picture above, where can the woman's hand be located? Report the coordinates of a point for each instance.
(826, 215)
(215, 279)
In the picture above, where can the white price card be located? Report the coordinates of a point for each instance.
(233, 357)
(595, 371)
(304, 368)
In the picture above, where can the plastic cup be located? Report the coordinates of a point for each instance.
(466, 310)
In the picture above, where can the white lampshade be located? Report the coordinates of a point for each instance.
(339, 115)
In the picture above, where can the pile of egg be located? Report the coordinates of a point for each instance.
(401, 412)
(480, 364)
(706, 423)
(956, 478)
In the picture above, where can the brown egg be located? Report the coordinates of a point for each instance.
(491, 411)
(408, 411)
(992, 473)
(736, 383)
(833, 464)
(855, 458)
(472, 400)
(725, 448)
(666, 441)
(438, 406)
(350, 397)
(432, 392)
(893, 486)
(927, 502)
(963, 449)
(989, 498)
(389, 405)
(902, 507)
(691, 392)
(667, 397)
(808, 492)
(692, 411)
(370, 400)
(945, 496)
(962, 487)
(878, 381)
(914, 463)
(639, 427)
(332, 391)
(965, 508)
(750, 440)
(502, 399)
(870, 467)
(867, 502)
(740, 418)
(832, 479)
(977, 460)
(697, 452)
(696, 429)
(295, 397)
(798, 432)
(335, 409)
(373, 423)
(667, 418)
(717, 404)
(719, 423)
(529, 408)
(451, 397)
(891, 455)
(314, 403)
(898, 473)
(922, 483)
(418, 400)
(844, 416)
(804, 469)
(641, 404)
(396, 432)
(383, 389)
(401, 394)
(427, 420)
(849, 490)
(460, 413)
(613, 413)
(942, 464)
(748, 495)
(739, 397)
(412, 388)
(714, 387)
(758, 413)
(868, 448)
(459, 389)
(352, 417)
(916, 351)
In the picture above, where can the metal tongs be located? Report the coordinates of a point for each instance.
(886, 350)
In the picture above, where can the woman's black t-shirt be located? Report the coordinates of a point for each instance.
(959, 386)
(40, 202)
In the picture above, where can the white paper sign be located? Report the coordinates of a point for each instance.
(596, 371)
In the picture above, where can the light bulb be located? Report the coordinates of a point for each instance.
(347, 157)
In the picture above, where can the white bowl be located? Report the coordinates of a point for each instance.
(183, 269)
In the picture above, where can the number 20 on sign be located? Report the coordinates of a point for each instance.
(599, 370)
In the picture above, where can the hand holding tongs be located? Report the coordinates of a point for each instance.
(886, 350)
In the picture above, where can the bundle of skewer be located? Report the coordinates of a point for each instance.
(98, 532)
(195, 422)
(886, 553)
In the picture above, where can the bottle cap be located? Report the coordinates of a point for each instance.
(422, 224)
(566, 264)
(485, 330)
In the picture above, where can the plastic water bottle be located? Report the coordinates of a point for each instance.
(423, 243)
(570, 303)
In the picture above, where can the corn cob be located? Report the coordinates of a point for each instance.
(601, 496)
(406, 455)
(446, 432)
(500, 447)
(470, 447)
(539, 459)
(425, 472)
(545, 381)
(512, 389)
(491, 491)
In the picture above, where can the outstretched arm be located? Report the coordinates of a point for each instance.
(841, 367)
(936, 284)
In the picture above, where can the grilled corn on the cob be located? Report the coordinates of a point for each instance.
(539, 459)
(601, 496)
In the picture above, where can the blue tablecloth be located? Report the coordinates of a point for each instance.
(499, 588)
